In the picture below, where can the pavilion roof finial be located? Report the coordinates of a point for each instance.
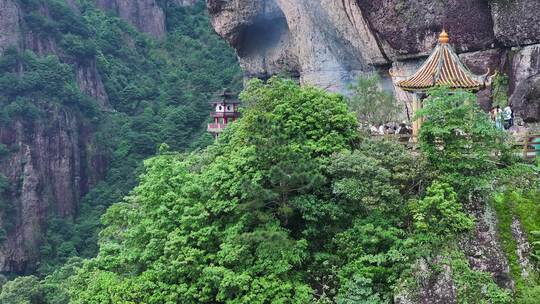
(442, 68)
(443, 37)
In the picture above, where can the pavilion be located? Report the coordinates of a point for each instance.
(442, 68)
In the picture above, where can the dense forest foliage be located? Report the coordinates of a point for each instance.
(293, 205)
(158, 92)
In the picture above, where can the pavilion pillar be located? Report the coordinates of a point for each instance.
(417, 121)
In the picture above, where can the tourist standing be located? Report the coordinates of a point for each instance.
(498, 118)
(507, 116)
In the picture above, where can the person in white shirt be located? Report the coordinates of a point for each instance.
(507, 117)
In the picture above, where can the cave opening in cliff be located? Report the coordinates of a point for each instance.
(263, 34)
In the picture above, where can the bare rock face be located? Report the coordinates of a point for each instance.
(330, 42)
(323, 42)
(525, 82)
(517, 22)
(146, 15)
(10, 33)
(482, 62)
(412, 27)
(90, 82)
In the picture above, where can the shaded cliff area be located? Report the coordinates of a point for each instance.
(86, 96)
(330, 42)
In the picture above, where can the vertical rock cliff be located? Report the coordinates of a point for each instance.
(52, 160)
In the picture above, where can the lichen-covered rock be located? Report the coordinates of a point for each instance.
(483, 248)
(516, 22)
(523, 248)
(432, 287)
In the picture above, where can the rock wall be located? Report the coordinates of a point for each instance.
(10, 33)
(53, 160)
(49, 169)
(329, 42)
(146, 15)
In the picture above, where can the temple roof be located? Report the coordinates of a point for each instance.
(442, 68)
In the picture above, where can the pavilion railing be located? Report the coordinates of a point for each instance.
(527, 145)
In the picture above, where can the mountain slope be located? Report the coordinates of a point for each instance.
(85, 98)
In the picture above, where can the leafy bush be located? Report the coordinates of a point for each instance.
(439, 212)
(459, 140)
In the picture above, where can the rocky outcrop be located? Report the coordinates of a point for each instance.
(329, 42)
(432, 287)
(146, 15)
(523, 248)
(483, 248)
(90, 83)
(412, 27)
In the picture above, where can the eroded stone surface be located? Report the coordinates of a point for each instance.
(523, 247)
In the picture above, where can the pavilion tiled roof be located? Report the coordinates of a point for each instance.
(442, 68)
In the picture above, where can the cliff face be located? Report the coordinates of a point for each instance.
(53, 160)
(145, 15)
(51, 167)
(329, 42)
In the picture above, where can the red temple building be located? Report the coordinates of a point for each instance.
(225, 111)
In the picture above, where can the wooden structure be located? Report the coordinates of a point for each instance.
(225, 111)
(442, 68)
(526, 145)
